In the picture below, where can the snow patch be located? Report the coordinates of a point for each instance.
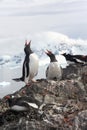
(4, 83)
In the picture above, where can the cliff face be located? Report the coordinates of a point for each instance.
(62, 104)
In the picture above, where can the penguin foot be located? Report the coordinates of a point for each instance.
(28, 84)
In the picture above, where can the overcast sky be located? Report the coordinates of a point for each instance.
(68, 17)
(26, 7)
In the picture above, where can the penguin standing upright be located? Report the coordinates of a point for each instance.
(54, 70)
(30, 64)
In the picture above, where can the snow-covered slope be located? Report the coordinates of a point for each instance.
(56, 42)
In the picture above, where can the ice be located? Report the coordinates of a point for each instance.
(56, 42)
(4, 83)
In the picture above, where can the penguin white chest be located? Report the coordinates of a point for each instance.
(33, 65)
(18, 108)
(54, 71)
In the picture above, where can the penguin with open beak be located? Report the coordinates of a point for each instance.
(30, 65)
(54, 70)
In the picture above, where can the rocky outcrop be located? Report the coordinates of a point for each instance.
(62, 104)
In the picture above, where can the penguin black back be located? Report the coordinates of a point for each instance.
(21, 103)
(78, 59)
(27, 48)
(27, 51)
(30, 64)
(81, 57)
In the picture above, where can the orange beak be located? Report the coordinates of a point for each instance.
(7, 97)
(48, 52)
(27, 43)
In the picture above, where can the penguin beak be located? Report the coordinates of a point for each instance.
(48, 52)
(29, 42)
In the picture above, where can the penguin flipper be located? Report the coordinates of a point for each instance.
(27, 69)
(18, 79)
(47, 71)
(33, 105)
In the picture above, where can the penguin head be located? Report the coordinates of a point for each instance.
(51, 55)
(67, 56)
(64, 54)
(9, 99)
(27, 48)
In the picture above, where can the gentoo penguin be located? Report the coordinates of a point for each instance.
(21, 103)
(81, 58)
(54, 70)
(30, 65)
(71, 59)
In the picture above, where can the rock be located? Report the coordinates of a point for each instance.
(81, 121)
(74, 71)
(62, 104)
(71, 71)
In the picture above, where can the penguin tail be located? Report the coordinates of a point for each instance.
(18, 79)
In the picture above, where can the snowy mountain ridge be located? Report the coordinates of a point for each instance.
(56, 42)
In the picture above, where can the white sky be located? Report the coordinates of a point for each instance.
(26, 17)
(26, 7)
